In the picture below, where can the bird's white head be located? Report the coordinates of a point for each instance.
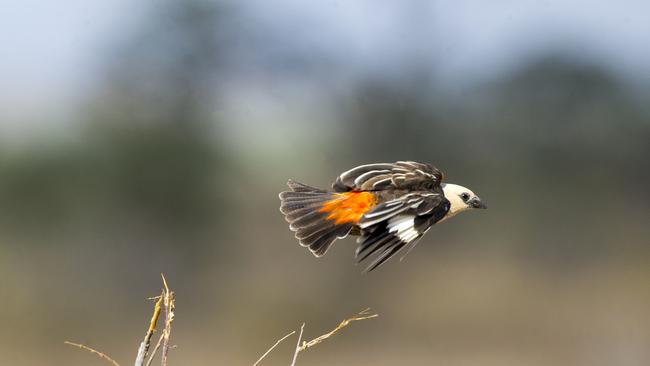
(461, 199)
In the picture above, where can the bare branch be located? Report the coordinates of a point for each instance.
(273, 346)
(144, 346)
(169, 318)
(165, 299)
(155, 349)
(295, 354)
(362, 315)
(91, 350)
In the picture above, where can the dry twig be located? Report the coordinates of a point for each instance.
(155, 349)
(166, 298)
(273, 347)
(362, 315)
(295, 354)
(144, 346)
(169, 318)
(91, 350)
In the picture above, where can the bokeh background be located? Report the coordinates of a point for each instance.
(146, 137)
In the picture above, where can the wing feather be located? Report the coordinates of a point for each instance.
(390, 251)
(391, 226)
(381, 176)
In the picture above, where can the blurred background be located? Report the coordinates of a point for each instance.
(146, 137)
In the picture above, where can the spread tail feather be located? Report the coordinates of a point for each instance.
(303, 209)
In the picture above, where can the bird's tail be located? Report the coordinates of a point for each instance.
(315, 216)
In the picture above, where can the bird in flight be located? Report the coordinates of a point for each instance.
(388, 205)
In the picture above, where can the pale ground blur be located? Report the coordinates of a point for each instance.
(170, 155)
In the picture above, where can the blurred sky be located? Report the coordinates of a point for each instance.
(53, 50)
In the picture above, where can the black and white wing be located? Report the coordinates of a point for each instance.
(408, 175)
(391, 226)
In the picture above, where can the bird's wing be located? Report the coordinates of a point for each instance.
(408, 175)
(392, 225)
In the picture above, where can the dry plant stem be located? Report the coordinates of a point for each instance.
(155, 349)
(363, 315)
(144, 346)
(169, 318)
(295, 354)
(99, 354)
(273, 346)
(166, 298)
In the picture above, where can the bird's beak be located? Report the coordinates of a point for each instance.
(477, 203)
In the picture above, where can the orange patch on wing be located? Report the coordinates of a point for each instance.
(349, 207)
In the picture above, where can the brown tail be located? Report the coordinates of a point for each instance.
(303, 209)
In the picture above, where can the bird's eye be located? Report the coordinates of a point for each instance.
(464, 196)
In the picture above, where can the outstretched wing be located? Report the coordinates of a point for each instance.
(408, 175)
(392, 225)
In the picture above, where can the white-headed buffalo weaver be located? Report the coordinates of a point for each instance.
(389, 206)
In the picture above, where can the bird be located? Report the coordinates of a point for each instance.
(389, 206)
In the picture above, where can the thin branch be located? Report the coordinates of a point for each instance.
(91, 350)
(169, 318)
(363, 315)
(155, 349)
(273, 346)
(295, 354)
(166, 298)
(144, 346)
